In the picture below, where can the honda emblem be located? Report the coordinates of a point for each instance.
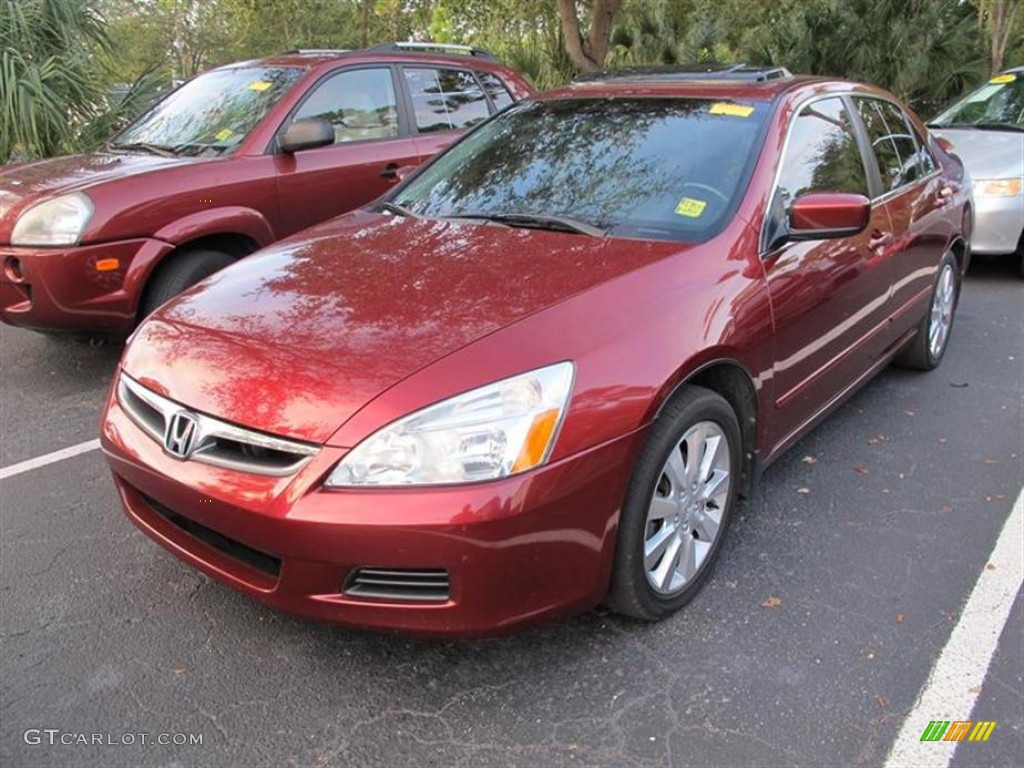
(181, 434)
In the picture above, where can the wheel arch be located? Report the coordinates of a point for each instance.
(729, 378)
(234, 244)
(235, 230)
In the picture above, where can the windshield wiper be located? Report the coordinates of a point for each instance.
(537, 221)
(397, 209)
(153, 149)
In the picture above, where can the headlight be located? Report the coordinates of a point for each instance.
(495, 431)
(58, 221)
(998, 187)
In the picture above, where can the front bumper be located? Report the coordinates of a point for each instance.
(998, 223)
(516, 552)
(61, 289)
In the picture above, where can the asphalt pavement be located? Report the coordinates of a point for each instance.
(837, 590)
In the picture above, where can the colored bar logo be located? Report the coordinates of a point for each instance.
(958, 730)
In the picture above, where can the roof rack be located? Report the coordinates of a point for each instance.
(417, 47)
(315, 51)
(738, 72)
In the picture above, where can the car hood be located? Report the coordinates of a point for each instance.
(987, 154)
(296, 339)
(25, 184)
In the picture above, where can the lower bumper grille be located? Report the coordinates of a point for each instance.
(426, 585)
(254, 558)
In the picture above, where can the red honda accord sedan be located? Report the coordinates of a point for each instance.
(538, 374)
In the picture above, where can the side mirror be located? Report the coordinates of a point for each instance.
(824, 215)
(306, 134)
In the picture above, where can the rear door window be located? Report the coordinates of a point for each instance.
(893, 145)
(445, 99)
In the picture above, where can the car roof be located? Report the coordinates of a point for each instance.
(709, 86)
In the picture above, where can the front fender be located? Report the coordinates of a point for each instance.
(226, 220)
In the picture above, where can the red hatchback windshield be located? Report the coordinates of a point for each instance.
(651, 168)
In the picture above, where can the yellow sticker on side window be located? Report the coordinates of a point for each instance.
(734, 110)
(259, 86)
(691, 208)
(1000, 79)
(224, 135)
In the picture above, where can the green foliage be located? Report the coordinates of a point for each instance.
(925, 51)
(55, 91)
(61, 59)
(46, 73)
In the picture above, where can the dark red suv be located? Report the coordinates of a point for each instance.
(233, 160)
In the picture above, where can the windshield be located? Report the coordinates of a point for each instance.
(998, 103)
(210, 114)
(648, 168)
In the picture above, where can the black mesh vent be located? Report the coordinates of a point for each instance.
(246, 555)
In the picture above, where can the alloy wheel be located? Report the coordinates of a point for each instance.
(685, 514)
(942, 312)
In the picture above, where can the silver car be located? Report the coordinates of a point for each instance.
(986, 129)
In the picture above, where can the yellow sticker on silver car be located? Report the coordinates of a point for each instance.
(691, 207)
(1001, 79)
(733, 110)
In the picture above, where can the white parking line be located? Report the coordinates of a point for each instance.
(48, 458)
(952, 689)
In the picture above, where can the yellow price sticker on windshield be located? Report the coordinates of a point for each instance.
(691, 208)
(259, 86)
(224, 135)
(1000, 79)
(733, 110)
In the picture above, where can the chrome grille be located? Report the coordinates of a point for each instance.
(211, 440)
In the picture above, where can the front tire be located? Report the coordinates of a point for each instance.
(929, 344)
(678, 506)
(179, 273)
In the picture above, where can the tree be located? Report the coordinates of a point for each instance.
(998, 18)
(588, 51)
(925, 51)
(48, 75)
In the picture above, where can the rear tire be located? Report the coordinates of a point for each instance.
(678, 506)
(929, 344)
(179, 273)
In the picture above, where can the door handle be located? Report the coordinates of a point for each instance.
(390, 171)
(879, 239)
